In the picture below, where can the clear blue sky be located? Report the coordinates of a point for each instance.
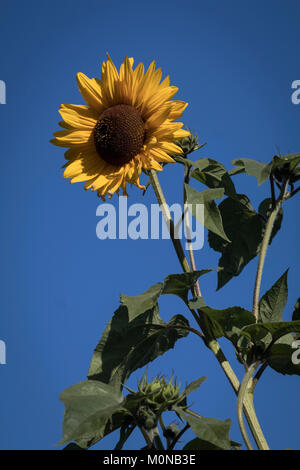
(234, 63)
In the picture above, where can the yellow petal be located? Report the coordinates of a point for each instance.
(90, 89)
(169, 147)
(79, 117)
(177, 109)
(69, 138)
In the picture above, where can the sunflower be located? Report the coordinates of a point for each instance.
(127, 127)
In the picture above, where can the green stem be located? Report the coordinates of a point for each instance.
(266, 240)
(248, 402)
(262, 257)
(240, 403)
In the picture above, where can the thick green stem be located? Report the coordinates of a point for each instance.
(240, 403)
(262, 257)
(248, 401)
(266, 240)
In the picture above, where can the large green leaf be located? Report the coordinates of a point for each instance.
(212, 217)
(228, 322)
(141, 303)
(279, 357)
(211, 431)
(272, 303)
(180, 284)
(261, 171)
(245, 228)
(176, 284)
(89, 405)
(136, 334)
(265, 334)
(213, 174)
(130, 343)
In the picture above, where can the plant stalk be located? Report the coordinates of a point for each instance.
(240, 401)
(262, 257)
(266, 240)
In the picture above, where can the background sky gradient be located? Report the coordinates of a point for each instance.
(234, 62)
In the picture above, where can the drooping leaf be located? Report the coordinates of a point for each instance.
(228, 322)
(211, 431)
(89, 405)
(197, 303)
(261, 171)
(141, 303)
(176, 284)
(136, 334)
(245, 228)
(128, 345)
(272, 303)
(214, 175)
(180, 284)
(273, 331)
(212, 217)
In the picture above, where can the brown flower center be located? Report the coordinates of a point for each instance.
(119, 134)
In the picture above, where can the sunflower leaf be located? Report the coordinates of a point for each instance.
(210, 431)
(265, 334)
(245, 227)
(272, 303)
(212, 217)
(89, 405)
(180, 284)
(228, 322)
(261, 171)
(130, 342)
(213, 174)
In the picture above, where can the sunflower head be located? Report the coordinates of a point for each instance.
(126, 126)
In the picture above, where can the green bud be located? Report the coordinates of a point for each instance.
(189, 144)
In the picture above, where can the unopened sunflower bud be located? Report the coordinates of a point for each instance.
(189, 144)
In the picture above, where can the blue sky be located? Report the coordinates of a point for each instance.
(234, 62)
